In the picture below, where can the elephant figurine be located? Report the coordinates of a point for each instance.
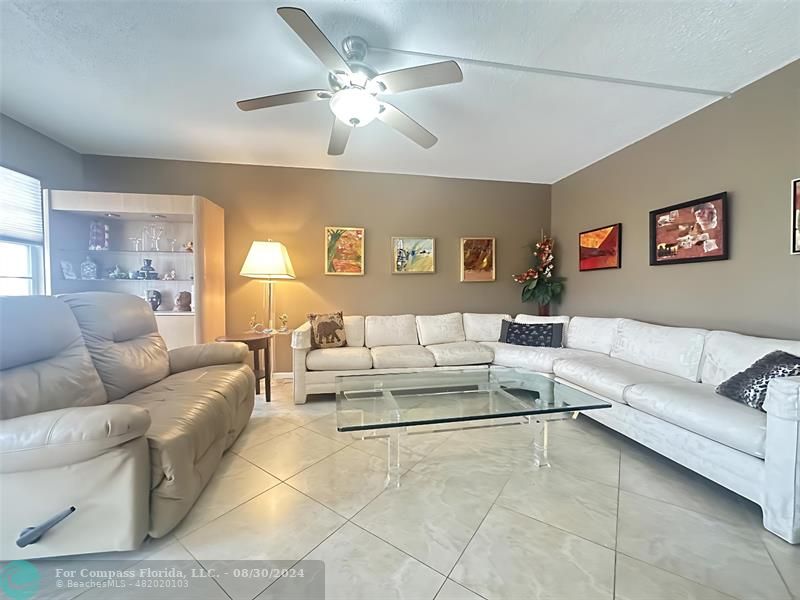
(326, 332)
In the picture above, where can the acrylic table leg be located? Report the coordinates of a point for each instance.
(540, 443)
(393, 458)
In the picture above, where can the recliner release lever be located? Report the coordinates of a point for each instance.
(31, 535)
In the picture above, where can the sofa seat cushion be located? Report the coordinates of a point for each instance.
(533, 358)
(461, 353)
(696, 407)
(606, 376)
(394, 357)
(195, 415)
(338, 359)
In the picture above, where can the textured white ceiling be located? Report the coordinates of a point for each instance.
(159, 79)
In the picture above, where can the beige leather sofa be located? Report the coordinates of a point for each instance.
(95, 413)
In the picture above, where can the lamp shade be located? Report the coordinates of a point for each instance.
(267, 260)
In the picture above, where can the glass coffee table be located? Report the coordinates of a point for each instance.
(389, 405)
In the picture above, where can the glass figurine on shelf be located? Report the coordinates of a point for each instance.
(254, 324)
(169, 275)
(136, 243)
(116, 273)
(98, 235)
(283, 319)
(172, 242)
(88, 269)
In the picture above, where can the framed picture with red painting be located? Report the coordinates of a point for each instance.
(600, 248)
(795, 219)
(694, 231)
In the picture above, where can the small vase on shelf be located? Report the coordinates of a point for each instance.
(88, 269)
(154, 298)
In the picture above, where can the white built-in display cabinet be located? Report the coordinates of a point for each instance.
(102, 241)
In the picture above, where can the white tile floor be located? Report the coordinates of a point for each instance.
(473, 519)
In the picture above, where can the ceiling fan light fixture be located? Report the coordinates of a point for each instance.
(355, 106)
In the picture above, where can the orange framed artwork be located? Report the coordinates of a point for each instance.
(344, 251)
(478, 259)
(600, 248)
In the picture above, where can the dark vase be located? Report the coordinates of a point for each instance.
(154, 298)
(544, 310)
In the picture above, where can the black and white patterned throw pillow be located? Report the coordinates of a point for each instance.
(532, 334)
(750, 386)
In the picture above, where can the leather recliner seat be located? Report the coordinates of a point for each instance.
(96, 413)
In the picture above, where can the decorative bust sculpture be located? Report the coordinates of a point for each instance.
(183, 303)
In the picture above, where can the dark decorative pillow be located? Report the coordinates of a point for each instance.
(750, 386)
(532, 334)
(327, 331)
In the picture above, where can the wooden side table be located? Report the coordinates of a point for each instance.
(256, 342)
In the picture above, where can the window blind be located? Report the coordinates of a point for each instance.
(20, 208)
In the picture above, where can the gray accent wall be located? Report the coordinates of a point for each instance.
(30, 152)
(748, 145)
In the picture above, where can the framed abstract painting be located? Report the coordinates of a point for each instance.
(478, 259)
(600, 248)
(344, 251)
(694, 231)
(413, 255)
(795, 220)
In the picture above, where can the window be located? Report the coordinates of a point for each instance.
(21, 235)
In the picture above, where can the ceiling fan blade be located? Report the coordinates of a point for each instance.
(312, 36)
(423, 76)
(281, 99)
(339, 136)
(397, 119)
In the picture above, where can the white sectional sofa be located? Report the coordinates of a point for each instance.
(659, 380)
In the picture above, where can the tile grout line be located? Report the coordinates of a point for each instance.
(775, 565)
(214, 579)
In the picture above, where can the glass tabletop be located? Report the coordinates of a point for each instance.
(404, 399)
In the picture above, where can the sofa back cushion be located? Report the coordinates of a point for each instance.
(440, 329)
(354, 330)
(673, 350)
(44, 364)
(479, 327)
(595, 334)
(122, 337)
(727, 354)
(391, 330)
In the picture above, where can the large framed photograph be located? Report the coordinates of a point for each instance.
(694, 231)
(478, 259)
(413, 254)
(344, 251)
(795, 220)
(600, 248)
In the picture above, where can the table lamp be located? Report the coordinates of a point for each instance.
(268, 261)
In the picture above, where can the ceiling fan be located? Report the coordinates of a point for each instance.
(355, 86)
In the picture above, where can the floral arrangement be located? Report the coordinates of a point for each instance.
(538, 283)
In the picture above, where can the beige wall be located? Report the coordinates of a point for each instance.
(748, 145)
(294, 205)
